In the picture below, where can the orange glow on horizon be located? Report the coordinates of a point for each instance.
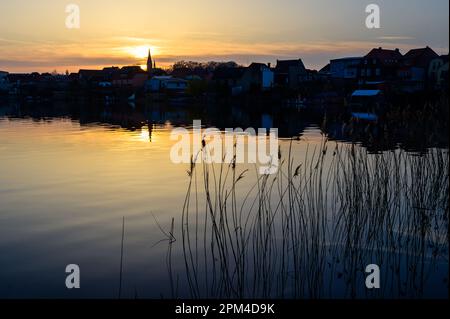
(34, 37)
(140, 52)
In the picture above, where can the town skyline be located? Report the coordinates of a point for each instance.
(33, 36)
(142, 62)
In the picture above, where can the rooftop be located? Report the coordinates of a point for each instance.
(386, 56)
(366, 93)
(347, 58)
(284, 65)
(419, 57)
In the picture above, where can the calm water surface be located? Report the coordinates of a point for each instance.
(64, 189)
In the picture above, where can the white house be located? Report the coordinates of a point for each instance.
(258, 75)
(175, 84)
(267, 78)
(159, 83)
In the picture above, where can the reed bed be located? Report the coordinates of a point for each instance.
(310, 230)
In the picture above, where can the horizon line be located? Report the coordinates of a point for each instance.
(196, 59)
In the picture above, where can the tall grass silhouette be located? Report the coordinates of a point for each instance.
(310, 230)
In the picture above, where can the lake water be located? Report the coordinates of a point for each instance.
(67, 180)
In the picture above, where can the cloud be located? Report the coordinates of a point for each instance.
(395, 38)
(67, 61)
(107, 51)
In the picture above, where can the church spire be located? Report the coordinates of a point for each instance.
(150, 64)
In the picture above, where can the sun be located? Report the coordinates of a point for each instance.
(141, 52)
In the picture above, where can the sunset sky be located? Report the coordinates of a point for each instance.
(33, 35)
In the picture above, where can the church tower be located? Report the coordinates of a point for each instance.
(150, 64)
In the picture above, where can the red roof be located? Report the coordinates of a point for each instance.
(385, 56)
(419, 57)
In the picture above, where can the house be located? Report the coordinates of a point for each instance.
(4, 83)
(166, 83)
(108, 73)
(91, 75)
(229, 78)
(438, 71)
(35, 84)
(433, 69)
(325, 72)
(419, 57)
(257, 76)
(414, 69)
(290, 73)
(379, 65)
(20, 82)
(129, 76)
(311, 75)
(366, 104)
(442, 73)
(155, 84)
(345, 68)
(176, 85)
